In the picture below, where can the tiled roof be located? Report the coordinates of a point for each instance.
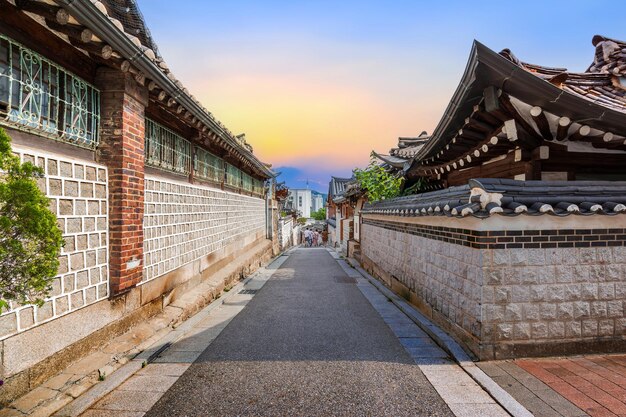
(105, 17)
(489, 196)
(337, 187)
(598, 84)
(408, 147)
(393, 161)
(128, 14)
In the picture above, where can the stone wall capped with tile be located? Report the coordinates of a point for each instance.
(510, 298)
(444, 275)
(184, 222)
(78, 196)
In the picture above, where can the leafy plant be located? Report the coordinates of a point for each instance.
(378, 183)
(301, 220)
(30, 239)
(416, 187)
(319, 214)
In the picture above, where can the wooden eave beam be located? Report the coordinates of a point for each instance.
(529, 130)
(48, 11)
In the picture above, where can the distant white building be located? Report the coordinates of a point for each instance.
(301, 200)
(318, 203)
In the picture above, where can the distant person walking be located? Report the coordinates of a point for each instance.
(320, 239)
(316, 237)
(307, 237)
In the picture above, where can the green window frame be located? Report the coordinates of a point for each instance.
(233, 175)
(166, 149)
(208, 166)
(38, 96)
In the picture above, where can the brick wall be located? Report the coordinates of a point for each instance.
(184, 222)
(514, 292)
(121, 148)
(78, 196)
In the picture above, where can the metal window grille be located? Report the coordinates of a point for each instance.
(233, 176)
(166, 149)
(246, 181)
(257, 186)
(208, 166)
(37, 95)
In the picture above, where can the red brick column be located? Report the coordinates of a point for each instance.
(121, 148)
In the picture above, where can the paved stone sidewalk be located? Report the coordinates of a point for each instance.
(460, 392)
(308, 343)
(593, 385)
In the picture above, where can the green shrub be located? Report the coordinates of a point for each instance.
(319, 214)
(378, 183)
(30, 239)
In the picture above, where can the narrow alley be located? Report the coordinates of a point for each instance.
(317, 339)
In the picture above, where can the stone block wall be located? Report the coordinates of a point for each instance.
(509, 288)
(444, 275)
(553, 295)
(78, 196)
(184, 222)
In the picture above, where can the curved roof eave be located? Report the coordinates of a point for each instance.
(488, 68)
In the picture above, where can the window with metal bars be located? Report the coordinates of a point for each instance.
(167, 150)
(233, 175)
(39, 96)
(246, 181)
(257, 186)
(208, 166)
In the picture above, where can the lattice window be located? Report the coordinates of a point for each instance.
(233, 175)
(166, 149)
(208, 166)
(39, 96)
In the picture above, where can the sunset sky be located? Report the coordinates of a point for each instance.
(316, 85)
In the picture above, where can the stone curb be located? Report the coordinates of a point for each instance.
(117, 378)
(447, 343)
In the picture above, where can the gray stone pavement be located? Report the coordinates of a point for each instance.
(317, 339)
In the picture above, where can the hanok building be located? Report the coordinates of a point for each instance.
(522, 249)
(152, 192)
(338, 212)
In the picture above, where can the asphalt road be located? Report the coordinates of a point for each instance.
(308, 343)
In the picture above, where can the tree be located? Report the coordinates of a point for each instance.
(319, 214)
(377, 182)
(30, 239)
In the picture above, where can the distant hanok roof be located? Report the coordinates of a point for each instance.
(408, 147)
(337, 187)
(400, 156)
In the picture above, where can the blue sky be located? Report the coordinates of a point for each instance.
(316, 85)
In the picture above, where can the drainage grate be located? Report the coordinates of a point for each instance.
(342, 279)
(248, 291)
